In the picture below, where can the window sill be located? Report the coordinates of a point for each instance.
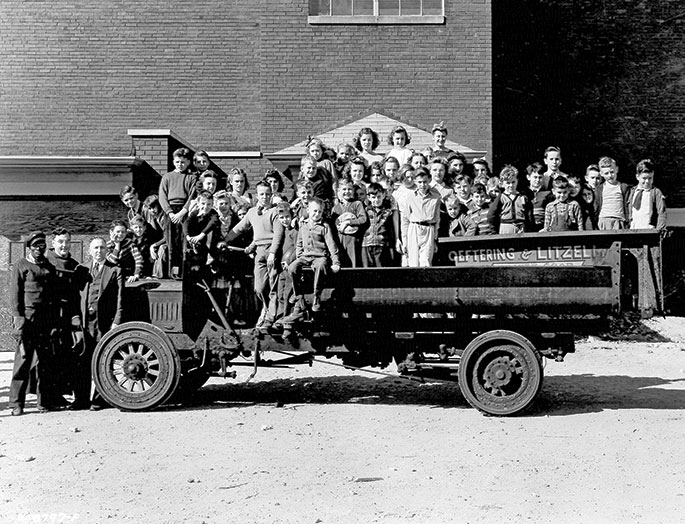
(376, 20)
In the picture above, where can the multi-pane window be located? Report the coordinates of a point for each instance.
(376, 11)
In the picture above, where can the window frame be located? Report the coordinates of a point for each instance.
(375, 19)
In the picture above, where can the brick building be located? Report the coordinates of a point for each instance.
(246, 80)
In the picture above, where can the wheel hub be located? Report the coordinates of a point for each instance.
(135, 367)
(499, 373)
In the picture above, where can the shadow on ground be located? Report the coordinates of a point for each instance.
(561, 395)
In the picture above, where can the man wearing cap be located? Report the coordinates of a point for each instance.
(101, 300)
(71, 277)
(31, 290)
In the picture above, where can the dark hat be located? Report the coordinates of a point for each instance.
(33, 236)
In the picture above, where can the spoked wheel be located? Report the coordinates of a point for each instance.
(500, 376)
(136, 367)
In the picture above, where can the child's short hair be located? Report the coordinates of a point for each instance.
(345, 181)
(366, 131)
(482, 162)
(375, 188)
(127, 190)
(242, 173)
(439, 160)
(509, 174)
(450, 200)
(315, 200)
(356, 161)
(607, 161)
(277, 175)
(137, 220)
(303, 183)
(478, 188)
(308, 159)
(399, 129)
(462, 178)
(645, 166)
(374, 165)
(117, 223)
(421, 171)
(535, 167)
(345, 145)
(200, 153)
(391, 160)
(591, 167)
(403, 172)
(284, 209)
(551, 149)
(263, 183)
(205, 194)
(221, 195)
(183, 152)
(560, 182)
(440, 126)
(152, 202)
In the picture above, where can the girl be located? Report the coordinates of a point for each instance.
(417, 160)
(455, 166)
(399, 139)
(481, 168)
(375, 172)
(274, 178)
(438, 148)
(238, 190)
(356, 170)
(366, 143)
(316, 148)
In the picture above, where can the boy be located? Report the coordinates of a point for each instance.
(462, 189)
(156, 226)
(646, 203)
(286, 313)
(563, 214)
(129, 197)
(200, 229)
(552, 160)
(315, 248)
(350, 217)
(143, 241)
(511, 209)
(420, 220)
(478, 219)
(176, 191)
(123, 253)
(594, 181)
(456, 213)
(538, 196)
(379, 237)
(262, 221)
(344, 155)
(322, 184)
(612, 197)
(298, 207)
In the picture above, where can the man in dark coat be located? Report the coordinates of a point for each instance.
(101, 308)
(31, 290)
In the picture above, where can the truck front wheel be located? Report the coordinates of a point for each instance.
(136, 367)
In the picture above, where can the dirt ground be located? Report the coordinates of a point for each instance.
(604, 443)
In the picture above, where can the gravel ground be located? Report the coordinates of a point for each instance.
(603, 443)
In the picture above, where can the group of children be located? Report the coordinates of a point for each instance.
(356, 208)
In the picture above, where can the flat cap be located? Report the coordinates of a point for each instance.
(33, 237)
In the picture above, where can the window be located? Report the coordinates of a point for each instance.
(376, 11)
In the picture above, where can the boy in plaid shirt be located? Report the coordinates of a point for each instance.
(379, 237)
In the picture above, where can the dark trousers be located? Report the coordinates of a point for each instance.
(376, 256)
(34, 351)
(318, 264)
(350, 252)
(82, 362)
(175, 241)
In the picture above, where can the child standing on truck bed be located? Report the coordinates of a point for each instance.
(511, 209)
(611, 197)
(379, 237)
(646, 203)
(478, 219)
(350, 217)
(316, 248)
(420, 220)
(563, 214)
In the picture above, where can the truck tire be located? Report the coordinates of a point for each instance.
(136, 367)
(500, 373)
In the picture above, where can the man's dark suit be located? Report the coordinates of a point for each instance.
(98, 317)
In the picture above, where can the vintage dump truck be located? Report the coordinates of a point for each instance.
(485, 315)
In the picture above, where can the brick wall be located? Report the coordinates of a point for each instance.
(594, 78)
(75, 75)
(420, 74)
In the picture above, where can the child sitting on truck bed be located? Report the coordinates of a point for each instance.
(316, 248)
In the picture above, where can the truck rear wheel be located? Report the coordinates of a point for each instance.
(136, 367)
(500, 373)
